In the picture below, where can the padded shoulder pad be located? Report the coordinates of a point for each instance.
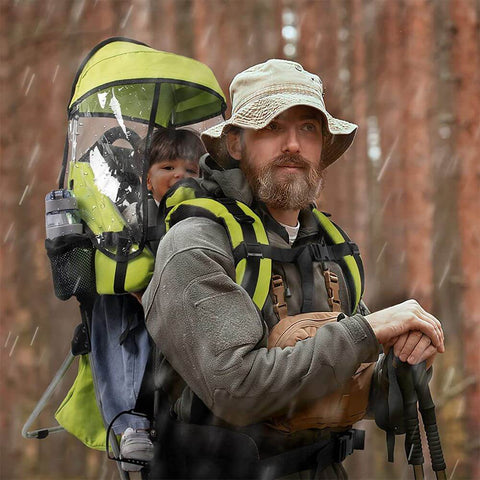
(245, 232)
(351, 264)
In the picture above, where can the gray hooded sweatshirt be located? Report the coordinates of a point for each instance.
(214, 337)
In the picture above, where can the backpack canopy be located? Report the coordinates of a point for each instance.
(122, 92)
(188, 93)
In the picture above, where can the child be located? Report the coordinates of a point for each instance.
(118, 365)
(174, 155)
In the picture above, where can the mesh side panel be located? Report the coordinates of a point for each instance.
(73, 266)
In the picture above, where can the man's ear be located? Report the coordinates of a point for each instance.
(234, 144)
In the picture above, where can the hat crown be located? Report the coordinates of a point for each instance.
(271, 77)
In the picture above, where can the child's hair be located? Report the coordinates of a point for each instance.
(169, 144)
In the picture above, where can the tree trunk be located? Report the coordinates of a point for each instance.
(418, 159)
(465, 16)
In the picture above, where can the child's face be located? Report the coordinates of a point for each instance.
(166, 173)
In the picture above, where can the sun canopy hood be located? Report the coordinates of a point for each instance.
(184, 91)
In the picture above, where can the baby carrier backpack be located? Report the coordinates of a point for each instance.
(122, 92)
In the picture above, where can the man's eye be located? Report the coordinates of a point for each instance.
(273, 126)
(309, 127)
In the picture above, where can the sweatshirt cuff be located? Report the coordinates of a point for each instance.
(361, 332)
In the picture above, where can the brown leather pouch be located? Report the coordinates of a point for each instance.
(339, 409)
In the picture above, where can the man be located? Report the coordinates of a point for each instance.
(272, 154)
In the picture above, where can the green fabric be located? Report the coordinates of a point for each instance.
(235, 234)
(96, 209)
(101, 215)
(79, 414)
(128, 72)
(137, 276)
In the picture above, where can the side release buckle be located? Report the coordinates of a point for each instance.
(347, 442)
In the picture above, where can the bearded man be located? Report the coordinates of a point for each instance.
(227, 383)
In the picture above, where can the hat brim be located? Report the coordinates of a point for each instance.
(339, 134)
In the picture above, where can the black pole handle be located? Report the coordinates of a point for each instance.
(427, 409)
(413, 442)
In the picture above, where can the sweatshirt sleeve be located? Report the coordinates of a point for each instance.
(209, 330)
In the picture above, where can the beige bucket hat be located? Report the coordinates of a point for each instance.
(263, 91)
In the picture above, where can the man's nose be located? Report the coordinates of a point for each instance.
(291, 142)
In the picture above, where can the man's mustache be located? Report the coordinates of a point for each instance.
(291, 160)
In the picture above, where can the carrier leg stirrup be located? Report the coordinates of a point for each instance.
(44, 432)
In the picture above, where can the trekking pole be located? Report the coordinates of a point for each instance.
(427, 409)
(413, 442)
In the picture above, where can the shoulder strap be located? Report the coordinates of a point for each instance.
(244, 228)
(251, 250)
(351, 261)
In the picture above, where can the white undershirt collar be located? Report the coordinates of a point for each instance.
(292, 231)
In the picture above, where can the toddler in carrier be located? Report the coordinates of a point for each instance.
(120, 342)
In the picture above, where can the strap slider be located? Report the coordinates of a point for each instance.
(243, 218)
(253, 250)
(354, 248)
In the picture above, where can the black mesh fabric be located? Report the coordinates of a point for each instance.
(72, 258)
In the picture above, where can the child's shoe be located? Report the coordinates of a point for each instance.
(135, 445)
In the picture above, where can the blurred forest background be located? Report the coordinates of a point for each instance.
(408, 191)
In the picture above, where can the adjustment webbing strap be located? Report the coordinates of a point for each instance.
(305, 266)
(121, 259)
(316, 456)
(155, 232)
(318, 252)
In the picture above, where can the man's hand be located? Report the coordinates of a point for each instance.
(414, 333)
(414, 347)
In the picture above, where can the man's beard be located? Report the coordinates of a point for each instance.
(287, 192)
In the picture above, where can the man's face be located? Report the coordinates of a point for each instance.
(282, 161)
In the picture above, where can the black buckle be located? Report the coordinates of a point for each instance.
(320, 252)
(347, 442)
